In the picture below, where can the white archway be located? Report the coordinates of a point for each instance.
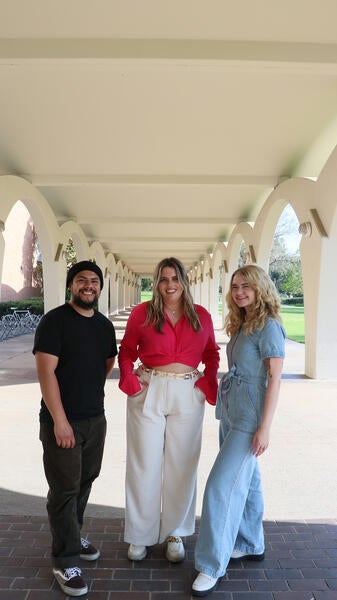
(14, 188)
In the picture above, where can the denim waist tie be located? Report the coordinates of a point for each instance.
(226, 384)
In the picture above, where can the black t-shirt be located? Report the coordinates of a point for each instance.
(82, 345)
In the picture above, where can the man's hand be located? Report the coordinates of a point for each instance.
(46, 365)
(64, 435)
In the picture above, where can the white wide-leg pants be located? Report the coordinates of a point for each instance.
(164, 427)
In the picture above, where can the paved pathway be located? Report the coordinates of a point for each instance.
(300, 484)
(300, 564)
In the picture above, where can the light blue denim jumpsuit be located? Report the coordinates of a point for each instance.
(232, 509)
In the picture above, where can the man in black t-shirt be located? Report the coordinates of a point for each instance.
(75, 350)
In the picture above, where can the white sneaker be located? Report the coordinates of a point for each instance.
(175, 551)
(238, 555)
(136, 552)
(70, 581)
(204, 584)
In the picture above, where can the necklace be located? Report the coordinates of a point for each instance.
(171, 312)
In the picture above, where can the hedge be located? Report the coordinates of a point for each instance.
(296, 301)
(35, 305)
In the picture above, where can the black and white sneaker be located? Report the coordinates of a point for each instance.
(70, 581)
(88, 551)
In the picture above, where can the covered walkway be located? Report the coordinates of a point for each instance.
(184, 128)
(299, 482)
(143, 130)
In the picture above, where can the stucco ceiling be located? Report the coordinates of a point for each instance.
(157, 126)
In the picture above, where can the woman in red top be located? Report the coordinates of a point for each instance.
(166, 400)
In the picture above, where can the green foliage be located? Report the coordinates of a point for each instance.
(285, 267)
(35, 305)
(146, 284)
(291, 282)
(286, 272)
(296, 300)
(70, 254)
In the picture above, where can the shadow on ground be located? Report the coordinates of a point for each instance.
(16, 503)
(300, 564)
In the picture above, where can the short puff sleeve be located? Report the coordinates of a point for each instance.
(272, 340)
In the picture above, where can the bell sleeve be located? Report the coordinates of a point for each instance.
(211, 359)
(128, 354)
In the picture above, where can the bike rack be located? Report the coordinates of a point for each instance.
(18, 323)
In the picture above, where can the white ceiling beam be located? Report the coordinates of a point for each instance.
(83, 220)
(149, 256)
(150, 179)
(180, 49)
(184, 239)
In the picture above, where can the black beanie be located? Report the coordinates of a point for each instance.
(84, 265)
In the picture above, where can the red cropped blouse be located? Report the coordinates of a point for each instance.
(179, 344)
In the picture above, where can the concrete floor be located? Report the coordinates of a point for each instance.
(298, 470)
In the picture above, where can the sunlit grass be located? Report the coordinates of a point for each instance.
(292, 317)
(145, 296)
(293, 321)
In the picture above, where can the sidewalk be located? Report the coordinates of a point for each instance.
(299, 477)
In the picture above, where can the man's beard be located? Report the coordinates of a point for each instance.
(85, 305)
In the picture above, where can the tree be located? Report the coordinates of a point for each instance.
(146, 284)
(291, 281)
(70, 254)
(285, 266)
(37, 270)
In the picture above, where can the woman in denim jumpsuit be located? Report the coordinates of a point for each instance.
(231, 522)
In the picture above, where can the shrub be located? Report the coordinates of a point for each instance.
(35, 305)
(295, 301)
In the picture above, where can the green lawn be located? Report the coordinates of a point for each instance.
(292, 317)
(145, 296)
(293, 321)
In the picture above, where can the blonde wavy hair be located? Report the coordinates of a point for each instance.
(155, 307)
(267, 302)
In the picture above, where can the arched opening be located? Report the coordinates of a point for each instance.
(70, 253)
(285, 270)
(146, 288)
(22, 274)
(70, 258)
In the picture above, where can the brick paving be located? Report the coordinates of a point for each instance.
(300, 564)
(301, 556)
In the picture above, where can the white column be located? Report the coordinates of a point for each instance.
(2, 254)
(113, 295)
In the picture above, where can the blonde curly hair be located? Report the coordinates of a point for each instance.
(267, 302)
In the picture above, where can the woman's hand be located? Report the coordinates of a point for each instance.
(261, 437)
(260, 441)
(143, 384)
